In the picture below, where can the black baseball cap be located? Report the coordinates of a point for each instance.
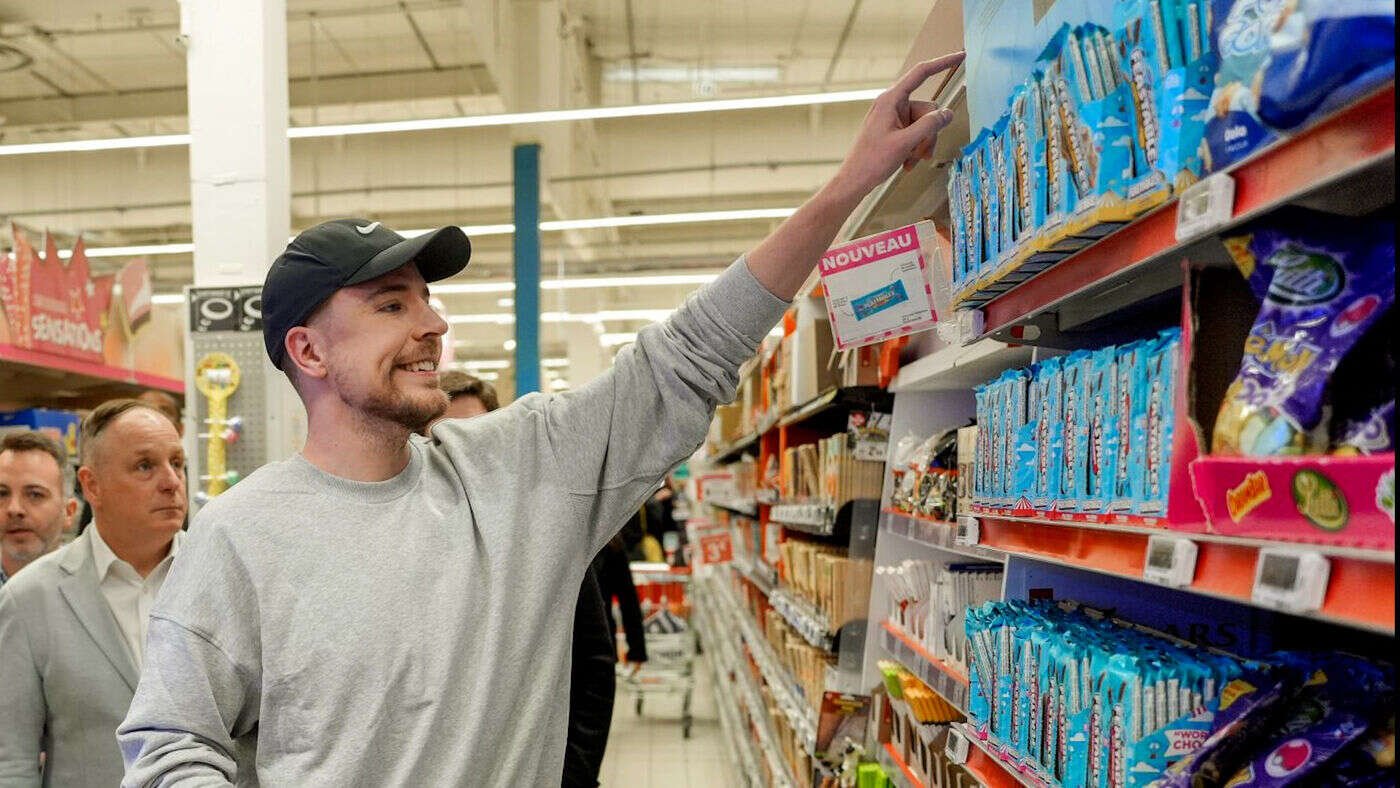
(344, 252)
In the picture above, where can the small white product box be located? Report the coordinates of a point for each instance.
(877, 287)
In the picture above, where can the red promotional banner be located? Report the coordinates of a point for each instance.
(135, 282)
(61, 320)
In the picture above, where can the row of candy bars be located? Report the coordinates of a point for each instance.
(1087, 432)
(1105, 118)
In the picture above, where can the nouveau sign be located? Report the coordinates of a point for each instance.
(58, 307)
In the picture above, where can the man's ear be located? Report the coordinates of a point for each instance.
(70, 508)
(88, 480)
(303, 346)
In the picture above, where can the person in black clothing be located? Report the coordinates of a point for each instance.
(593, 682)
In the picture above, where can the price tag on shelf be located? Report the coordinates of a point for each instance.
(957, 746)
(969, 531)
(1205, 205)
(1291, 580)
(1170, 561)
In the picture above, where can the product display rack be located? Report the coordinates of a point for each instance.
(1346, 162)
(32, 376)
(736, 695)
(1126, 285)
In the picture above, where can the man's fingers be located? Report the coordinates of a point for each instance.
(915, 77)
(926, 127)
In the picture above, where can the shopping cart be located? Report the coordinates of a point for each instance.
(670, 665)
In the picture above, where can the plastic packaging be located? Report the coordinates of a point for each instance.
(1322, 280)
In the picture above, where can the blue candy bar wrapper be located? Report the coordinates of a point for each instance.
(1102, 458)
(1074, 441)
(879, 299)
(1130, 393)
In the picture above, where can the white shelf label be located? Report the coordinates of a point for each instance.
(1170, 561)
(1291, 580)
(1205, 206)
(957, 746)
(969, 531)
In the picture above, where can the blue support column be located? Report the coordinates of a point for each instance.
(527, 269)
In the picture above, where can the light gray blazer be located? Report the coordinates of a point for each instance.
(66, 674)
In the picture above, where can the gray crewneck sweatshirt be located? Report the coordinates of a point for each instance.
(417, 631)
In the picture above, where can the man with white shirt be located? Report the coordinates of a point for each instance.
(36, 499)
(73, 624)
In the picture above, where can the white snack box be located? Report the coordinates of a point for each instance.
(878, 287)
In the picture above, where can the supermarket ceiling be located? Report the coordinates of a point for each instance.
(86, 69)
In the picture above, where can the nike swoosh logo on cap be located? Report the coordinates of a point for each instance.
(366, 229)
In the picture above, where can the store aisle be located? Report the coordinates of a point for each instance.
(649, 750)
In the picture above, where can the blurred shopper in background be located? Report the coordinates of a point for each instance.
(36, 499)
(166, 403)
(73, 625)
(467, 395)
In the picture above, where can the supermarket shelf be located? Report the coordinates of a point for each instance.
(997, 762)
(961, 367)
(806, 619)
(814, 518)
(1360, 592)
(729, 452)
(741, 745)
(760, 574)
(747, 696)
(1345, 163)
(1133, 525)
(934, 534)
(747, 508)
(902, 774)
(801, 715)
(940, 677)
(847, 397)
(821, 519)
(34, 376)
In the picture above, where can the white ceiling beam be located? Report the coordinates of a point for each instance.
(171, 103)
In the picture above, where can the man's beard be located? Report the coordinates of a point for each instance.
(387, 403)
(28, 550)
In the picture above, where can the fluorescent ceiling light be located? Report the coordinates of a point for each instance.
(554, 363)
(691, 217)
(467, 121)
(490, 376)
(691, 74)
(485, 364)
(505, 303)
(618, 339)
(508, 318)
(168, 298)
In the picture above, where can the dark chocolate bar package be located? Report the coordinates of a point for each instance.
(1322, 280)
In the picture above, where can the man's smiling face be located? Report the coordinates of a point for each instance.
(383, 342)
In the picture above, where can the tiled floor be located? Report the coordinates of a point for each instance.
(649, 751)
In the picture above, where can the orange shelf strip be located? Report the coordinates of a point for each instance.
(36, 358)
(1360, 592)
(924, 654)
(904, 767)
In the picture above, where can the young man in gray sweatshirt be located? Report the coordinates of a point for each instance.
(385, 609)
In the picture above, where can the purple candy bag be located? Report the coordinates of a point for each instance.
(1337, 705)
(1322, 280)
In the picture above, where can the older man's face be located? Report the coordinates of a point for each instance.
(33, 506)
(135, 475)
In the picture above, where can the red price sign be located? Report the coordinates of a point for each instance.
(716, 549)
